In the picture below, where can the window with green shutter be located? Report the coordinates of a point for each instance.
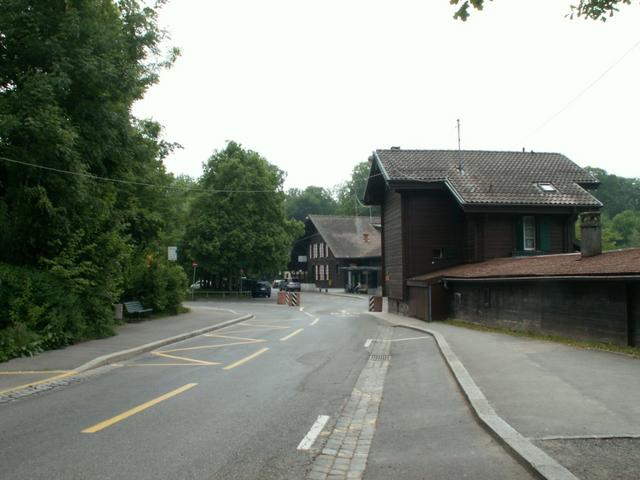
(519, 234)
(545, 234)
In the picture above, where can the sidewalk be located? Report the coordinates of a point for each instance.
(52, 363)
(579, 406)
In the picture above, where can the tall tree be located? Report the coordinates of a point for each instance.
(69, 74)
(311, 200)
(239, 226)
(351, 192)
(616, 193)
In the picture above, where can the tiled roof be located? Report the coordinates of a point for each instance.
(612, 263)
(345, 235)
(493, 178)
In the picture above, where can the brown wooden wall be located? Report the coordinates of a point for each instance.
(392, 245)
(499, 239)
(433, 220)
(594, 310)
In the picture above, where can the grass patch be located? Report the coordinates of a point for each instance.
(606, 347)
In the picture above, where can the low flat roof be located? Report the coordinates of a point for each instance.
(614, 263)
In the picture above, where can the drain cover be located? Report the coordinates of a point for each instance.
(379, 358)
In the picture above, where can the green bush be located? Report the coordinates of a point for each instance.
(37, 312)
(157, 283)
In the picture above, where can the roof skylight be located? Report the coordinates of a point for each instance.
(546, 187)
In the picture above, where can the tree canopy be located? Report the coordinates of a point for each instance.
(311, 200)
(69, 74)
(621, 211)
(239, 226)
(588, 9)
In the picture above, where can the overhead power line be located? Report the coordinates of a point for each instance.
(583, 91)
(129, 182)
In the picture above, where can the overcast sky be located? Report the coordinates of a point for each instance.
(315, 86)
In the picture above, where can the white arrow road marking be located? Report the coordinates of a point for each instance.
(367, 343)
(316, 428)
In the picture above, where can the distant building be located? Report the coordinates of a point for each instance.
(339, 251)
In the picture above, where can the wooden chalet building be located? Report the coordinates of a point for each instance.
(445, 208)
(337, 251)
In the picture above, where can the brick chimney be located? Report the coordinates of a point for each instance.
(591, 234)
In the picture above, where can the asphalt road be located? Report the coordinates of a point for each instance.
(236, 403)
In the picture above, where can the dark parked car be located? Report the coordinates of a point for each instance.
(292, 285)
(261, 289)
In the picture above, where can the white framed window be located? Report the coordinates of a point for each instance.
(321, 272)
(546, 187)
(310, 250)
(529, 232)
(328, 251)
(317, 273)
(321, 250)
(326, 270)
(315, 250)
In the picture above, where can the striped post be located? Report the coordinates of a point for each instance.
(375, 303)
(294, 299)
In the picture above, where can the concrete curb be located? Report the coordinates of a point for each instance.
(525, 452)
(132, 352)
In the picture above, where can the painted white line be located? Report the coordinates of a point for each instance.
(316, 428)
(315, 321)
(309, 315)
(367, 343)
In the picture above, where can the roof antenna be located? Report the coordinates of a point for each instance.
(460, 161)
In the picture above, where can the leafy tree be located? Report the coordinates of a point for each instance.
(239, 225)
(318, 200)
(69, 73)
(589, 9)
(616, 193)
(351, 192)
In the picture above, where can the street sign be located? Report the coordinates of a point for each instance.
(172, 254)
(194, 264)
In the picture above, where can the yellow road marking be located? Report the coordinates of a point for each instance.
(206, 347)
(266, 320)
(284, 339)
(250, 340)
(33, 372)
(260, 329)
(33, 384)
(192, 360)
(261, 326)
(168, 364)
(315, 321)
(138, 409)
(246, 359)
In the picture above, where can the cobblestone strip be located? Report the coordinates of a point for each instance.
(40, 388)
(344, 456)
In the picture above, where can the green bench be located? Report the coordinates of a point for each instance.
(135, 307)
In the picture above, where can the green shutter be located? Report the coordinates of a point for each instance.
(545, 234)
(519, 231)
(449, 252)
